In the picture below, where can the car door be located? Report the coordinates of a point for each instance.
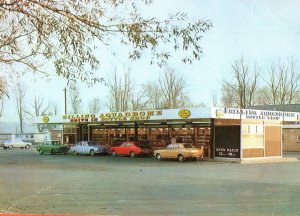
(21, 144)
(16, 143)
(121, 149)
(43, 146)
(128, 148)
(85, 147)
(48, 146)
(76, 147)
(167, 153)
(175, 151)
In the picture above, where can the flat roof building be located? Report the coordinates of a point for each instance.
(223, 132)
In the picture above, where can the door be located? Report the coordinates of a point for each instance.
(127, 149)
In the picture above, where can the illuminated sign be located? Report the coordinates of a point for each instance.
(184, 113)
(220, 113)
(45, 119)
(113, 116)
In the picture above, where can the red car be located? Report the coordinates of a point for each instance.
(130, 149)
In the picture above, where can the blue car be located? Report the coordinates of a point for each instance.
(89, 148)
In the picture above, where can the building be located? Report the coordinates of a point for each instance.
(223, 132)
(290, 132)
(33, 138)
(291, 138)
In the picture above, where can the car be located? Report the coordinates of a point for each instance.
(15, 143)
(129, 149)
(52, 147)
(180, 151)
(89, 147)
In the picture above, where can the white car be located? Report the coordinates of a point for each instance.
(15, 143)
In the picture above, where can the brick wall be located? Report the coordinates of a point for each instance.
(290, 136)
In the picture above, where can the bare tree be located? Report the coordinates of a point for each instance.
(74, 98)
(138, 99)
(3, 92)
(172, 87)
(241, 90)
(119, 92)
(154, 94)
(53, 109)
(95, 105)
(282, 83)
(65, 34)
(20, 93)
(39, 109)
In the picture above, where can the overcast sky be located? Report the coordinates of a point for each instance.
(261, 31)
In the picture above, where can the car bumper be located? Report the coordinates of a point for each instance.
(61, 150)
(195, 156)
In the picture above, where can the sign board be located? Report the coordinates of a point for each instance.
(182, 115)
(250, 114)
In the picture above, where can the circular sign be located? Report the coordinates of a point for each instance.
(45, 119)
(184, 113)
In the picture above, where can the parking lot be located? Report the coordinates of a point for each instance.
(103, 185)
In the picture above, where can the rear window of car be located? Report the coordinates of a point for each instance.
(187, 145)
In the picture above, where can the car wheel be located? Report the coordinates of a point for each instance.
(158, 156)
(114, 154)
(75, 153)
(52, 151)
(181, 158)
(92, 152)
(4, 147)
(41, 151)
(10, 147)
(132, 154)
(27, 146)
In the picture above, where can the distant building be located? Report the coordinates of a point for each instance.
(33, 138)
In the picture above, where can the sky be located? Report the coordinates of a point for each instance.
(260, 31)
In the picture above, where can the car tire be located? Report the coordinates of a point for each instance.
(92, 152)
(158, 156)
(132, 154)
(4, 147)
(27, 146)
(10, 147)
(41, 151)
(114, 154)
(181, 158)
(52, 152)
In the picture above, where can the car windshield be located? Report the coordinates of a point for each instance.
(56, 143)
(92, 143)
(187, 145)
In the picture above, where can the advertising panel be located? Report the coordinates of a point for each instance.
(227, 141)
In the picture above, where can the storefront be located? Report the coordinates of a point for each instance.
(223, 132)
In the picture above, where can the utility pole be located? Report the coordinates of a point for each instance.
(65, 91)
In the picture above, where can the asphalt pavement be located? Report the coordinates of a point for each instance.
(102, 185)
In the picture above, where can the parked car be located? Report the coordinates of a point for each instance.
(52, 147)
(130, 149)
(89, 147)
(180, 151)
(15, 143)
